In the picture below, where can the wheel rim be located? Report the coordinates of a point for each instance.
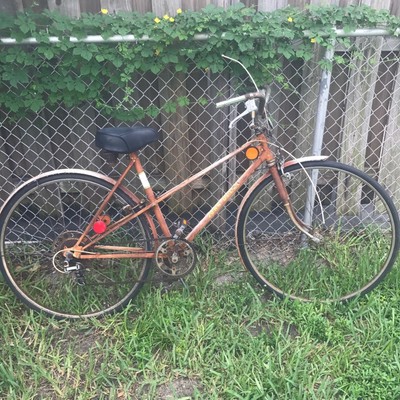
(357, 238)
(31, 236)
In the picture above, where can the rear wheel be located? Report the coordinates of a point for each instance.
(49, 215)
(352, 216)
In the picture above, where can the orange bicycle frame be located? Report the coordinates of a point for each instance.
(81, 251)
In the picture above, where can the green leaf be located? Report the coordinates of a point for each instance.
(87, 55)
(155, 69)
(255, 38)
(203, 101)
(117, 62)
(80, 86)
(48, 53)
(169, 107)
(183, 101)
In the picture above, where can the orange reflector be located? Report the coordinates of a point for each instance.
(252, 153)
(106, 219)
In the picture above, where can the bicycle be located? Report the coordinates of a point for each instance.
(79, 244)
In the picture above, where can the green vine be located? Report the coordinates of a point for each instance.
(70, 73)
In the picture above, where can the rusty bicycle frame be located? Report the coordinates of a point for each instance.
(85, 249)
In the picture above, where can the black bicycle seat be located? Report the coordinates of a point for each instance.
(125, 140)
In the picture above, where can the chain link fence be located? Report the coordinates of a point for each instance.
(360, 127)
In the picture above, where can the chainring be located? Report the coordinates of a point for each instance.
(175, 257)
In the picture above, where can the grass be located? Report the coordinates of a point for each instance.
(217, 338)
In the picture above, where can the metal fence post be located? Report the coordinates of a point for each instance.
(319, 131)
(322, 103)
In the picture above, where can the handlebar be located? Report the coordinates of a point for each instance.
(233, 100)
(262, 95)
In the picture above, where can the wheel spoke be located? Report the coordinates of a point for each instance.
(51, 215)
(354, 220)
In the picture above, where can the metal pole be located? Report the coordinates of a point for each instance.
(322, 107)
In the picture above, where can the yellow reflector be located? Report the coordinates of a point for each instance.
(252, 153)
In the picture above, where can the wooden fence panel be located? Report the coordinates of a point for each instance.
(218, 141)
(267, 5)
(17, 149)
(311, 75)
(92, 6)
(161, 7)
(361, 91)
(76, 7)
(391, 146)
(70, 7)
(11, 7)
(115, 6)
(336, 105)
(5, 168)
(146, 93)
(141, 6)
(380, 111)
(176, 143)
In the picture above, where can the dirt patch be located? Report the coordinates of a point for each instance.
(274, 249)
(229, 278)
(79, 341)
(268, 327)
(290, 330)
(179, 388)
(260, 327)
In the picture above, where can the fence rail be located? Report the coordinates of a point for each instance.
(353, 117)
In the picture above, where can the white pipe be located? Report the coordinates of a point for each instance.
(201, 36)
(93, 39)
(367, 32)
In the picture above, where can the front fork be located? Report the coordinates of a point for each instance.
(283, 193)
(284, 196)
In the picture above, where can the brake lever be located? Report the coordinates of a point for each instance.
(250, 107)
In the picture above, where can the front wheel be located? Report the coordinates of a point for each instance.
(354, 221)
(48, 215)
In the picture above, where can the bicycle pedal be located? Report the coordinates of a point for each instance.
(181, 227)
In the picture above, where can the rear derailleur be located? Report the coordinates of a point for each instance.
(71, 264)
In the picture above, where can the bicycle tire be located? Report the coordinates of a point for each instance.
(359, 234)
(48, 214)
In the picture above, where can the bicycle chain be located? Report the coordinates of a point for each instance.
(152, 266)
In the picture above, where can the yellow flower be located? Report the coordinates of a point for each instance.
(313, 40)
(171, 19)
(290, 19)
(166, 16)
(157, 20)
(104, 11)
(179, 11)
